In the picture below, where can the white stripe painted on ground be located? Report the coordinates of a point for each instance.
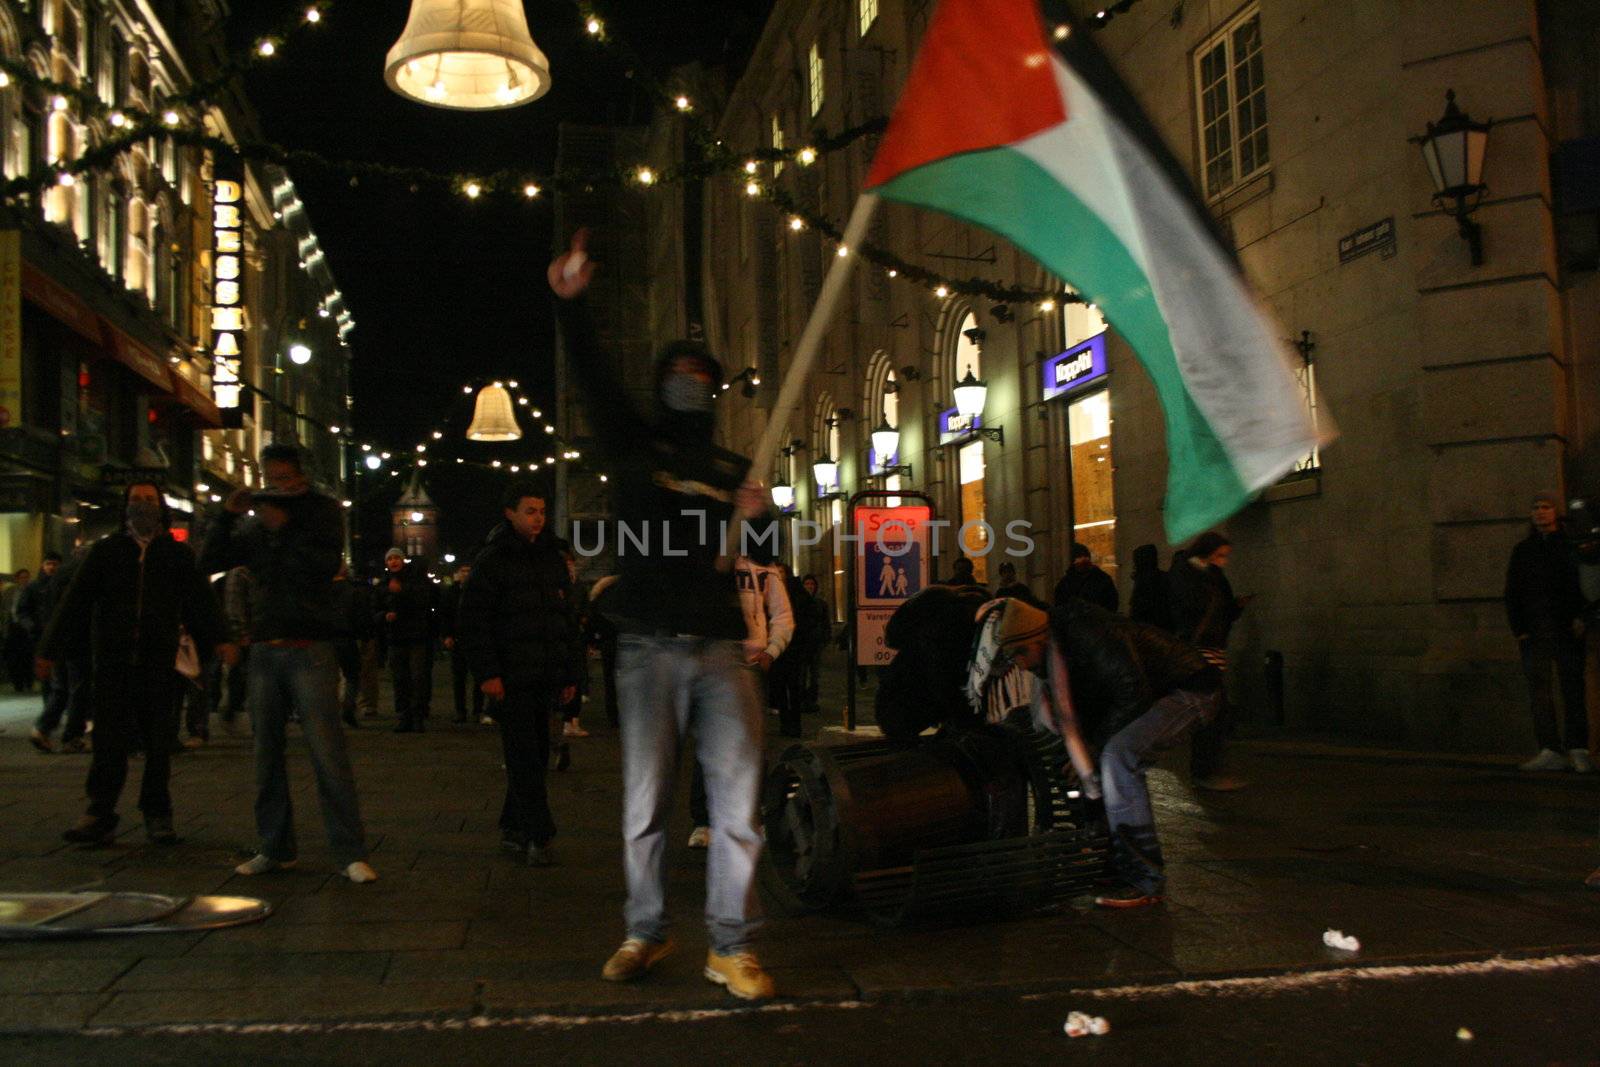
(543, 1021)
(1269, 985)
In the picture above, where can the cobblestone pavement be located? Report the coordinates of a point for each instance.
(1426, 859)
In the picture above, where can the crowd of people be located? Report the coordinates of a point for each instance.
(697, 645)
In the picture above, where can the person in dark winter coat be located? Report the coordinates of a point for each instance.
(1544, 603)
(1084, 579)
(133, 591)
(293, 548)
(931, 634)
(519, 631)
(1204, 610)
(404, 610)
(1010, 587)
(65, 690)
(1151, 600)
(449, 636)
(1133, 690)
(819, 631)
(680, 662)
(353, 605)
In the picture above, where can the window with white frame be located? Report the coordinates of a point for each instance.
(868, 10)
(1230, 89)
(814, 75)
(777, 144)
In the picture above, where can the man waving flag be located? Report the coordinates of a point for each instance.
(1021, 127)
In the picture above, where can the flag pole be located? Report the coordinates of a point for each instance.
(805, 355)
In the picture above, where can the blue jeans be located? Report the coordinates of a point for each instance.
(283, 677)
(668, 688)
(1135, 850)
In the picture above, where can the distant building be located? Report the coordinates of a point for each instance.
(416, 522)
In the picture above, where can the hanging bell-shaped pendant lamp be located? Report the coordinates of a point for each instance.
(474, 55)
(493, 418)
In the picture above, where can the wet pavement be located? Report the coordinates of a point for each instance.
(1432, 861)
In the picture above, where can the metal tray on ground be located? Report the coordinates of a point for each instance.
(25, 916)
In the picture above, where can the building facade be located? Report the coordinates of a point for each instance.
(164, 317)
(1457, 389)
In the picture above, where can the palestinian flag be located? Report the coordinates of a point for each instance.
(1006, 126)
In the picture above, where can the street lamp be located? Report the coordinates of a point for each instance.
(783, 495)
(373, 462)
(299, 355)
(971, 392)
(1453, 148)
(417, 516)
(885, 442)
(826, 471)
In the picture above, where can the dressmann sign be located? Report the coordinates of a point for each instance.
(1076, 367)
(227, 297)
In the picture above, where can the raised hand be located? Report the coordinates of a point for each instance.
(571, 272)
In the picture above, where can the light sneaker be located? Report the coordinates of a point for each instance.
(1547, 760)
(635, 957)
(700, 837)
(41, 741)
(485, 720)
(740, 973)
(572, 729)
(1581, 761)
(360, 873)
(263, 864)
(159, 831)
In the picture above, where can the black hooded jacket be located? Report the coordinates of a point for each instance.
(1118, 668)
(517, 620)
(125, 603)
(673, 488)
(291, 569)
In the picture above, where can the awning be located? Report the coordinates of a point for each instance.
(62, 303)
(138, 358)
(196, 400)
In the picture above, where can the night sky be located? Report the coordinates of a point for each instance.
(445, 290)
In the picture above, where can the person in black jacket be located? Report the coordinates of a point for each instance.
(449, 636)
(1009, 586)
(680, 663)
(519, 631)
(1543, 605)
(65, 689)
(293, 548)
(353, 608)
(1084, 579)
(1151, 601)
(127, 600)
(1204, 610)
(1133, 691)
(405, 612)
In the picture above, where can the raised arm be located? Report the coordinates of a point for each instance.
(617, 423)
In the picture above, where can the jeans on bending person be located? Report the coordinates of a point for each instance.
(1135, 850)
(668, 688)
(66, 693)
(305, 677)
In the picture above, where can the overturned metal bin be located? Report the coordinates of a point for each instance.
(963, 824)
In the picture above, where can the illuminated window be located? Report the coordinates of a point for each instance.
(869, 14)
(777, 145)
(814, 74)
(1230, 89)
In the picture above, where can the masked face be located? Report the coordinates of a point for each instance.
(686, 394)
(144, 518)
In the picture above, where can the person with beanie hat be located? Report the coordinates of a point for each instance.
(1117, 692)
(1543, 606)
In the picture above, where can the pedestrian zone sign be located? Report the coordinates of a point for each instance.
(892, 565)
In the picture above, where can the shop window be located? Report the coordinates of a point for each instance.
(1230, 90)
(969, 357)
(974, 535)
(1306, 375)
(1094, 510)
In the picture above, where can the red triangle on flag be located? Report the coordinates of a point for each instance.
(982, 79)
